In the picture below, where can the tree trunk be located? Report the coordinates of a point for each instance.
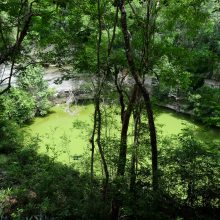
(124, 131)
(116, 202)
(13, 50)
(99, 123)
(98, 115)
(144, 92)
(135, 146)
(92, 142)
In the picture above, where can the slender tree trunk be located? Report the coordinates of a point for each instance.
(92, 141)
(13, 50)
(124, 133)
(120, 93)
(116, 202)
(105, 166)
(98, 115)
(144, 92)
(135, 146)
(134, 163)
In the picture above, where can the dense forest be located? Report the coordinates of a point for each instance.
(110, 70)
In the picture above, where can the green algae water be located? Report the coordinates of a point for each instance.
(65, 136)
(172, 123)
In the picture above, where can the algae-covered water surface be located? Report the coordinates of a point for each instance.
(62, 134)
(65, 136)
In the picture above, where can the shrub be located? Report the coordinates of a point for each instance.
(205, 104)
(10, 135)
(31, 81)
(17, 105)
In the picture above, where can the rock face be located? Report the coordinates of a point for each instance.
(82, 88)
(53, 75)
(68, 90)
(212, 83)
(4, 76)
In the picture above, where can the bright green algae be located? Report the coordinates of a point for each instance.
(61, 133)
(65, 136)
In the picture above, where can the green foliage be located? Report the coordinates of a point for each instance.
(28, 99)
(205, 105)
(4, 199)
(31, 81)
(171, 74)
(181, 44)
(10, 135)
(47, 188)
(17, 105)
(192, 173)
(189, 38)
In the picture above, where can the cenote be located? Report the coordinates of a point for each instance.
(65, 136)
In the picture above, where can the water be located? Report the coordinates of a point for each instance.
(65, 136)
(174, 123)
(62, 133)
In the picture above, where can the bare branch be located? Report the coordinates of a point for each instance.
(10, 76)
